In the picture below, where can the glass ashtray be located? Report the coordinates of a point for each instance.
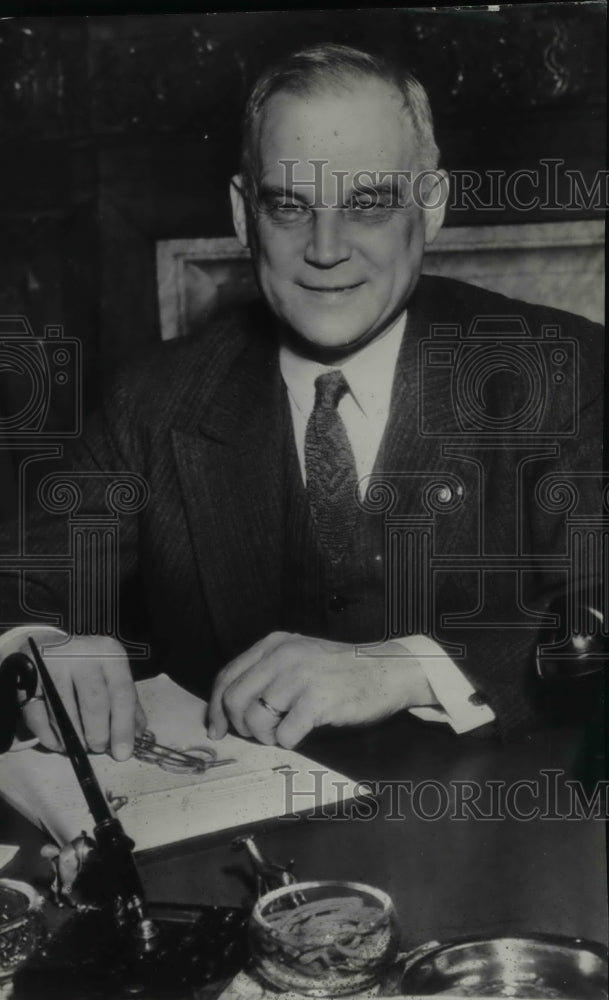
(22, 927)
(323, 938)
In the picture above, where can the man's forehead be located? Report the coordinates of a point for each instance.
(363, 126)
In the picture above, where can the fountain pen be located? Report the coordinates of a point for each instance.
(114, 846)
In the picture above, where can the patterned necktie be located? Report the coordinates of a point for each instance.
(330, 467)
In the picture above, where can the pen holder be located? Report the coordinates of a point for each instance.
(91, 956)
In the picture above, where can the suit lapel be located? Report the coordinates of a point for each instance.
(418, 406)
(403, 449)
(231, 479)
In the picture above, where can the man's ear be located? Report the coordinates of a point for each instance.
(434, 203)
(239, 209)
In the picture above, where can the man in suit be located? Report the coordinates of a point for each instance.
(271, 441)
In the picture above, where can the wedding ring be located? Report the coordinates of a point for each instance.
(271, 708)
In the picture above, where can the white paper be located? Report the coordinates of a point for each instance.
(162, 807)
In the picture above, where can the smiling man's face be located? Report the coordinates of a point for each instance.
(336, 277)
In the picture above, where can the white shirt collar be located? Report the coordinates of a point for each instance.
(369, 373)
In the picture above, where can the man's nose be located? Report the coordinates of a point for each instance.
(327, 244)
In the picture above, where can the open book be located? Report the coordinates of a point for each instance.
(163, 808)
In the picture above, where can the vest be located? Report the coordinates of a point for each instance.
(345, 603)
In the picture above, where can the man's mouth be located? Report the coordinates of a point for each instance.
(329, 289)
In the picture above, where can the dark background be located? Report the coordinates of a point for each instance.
(117, 131)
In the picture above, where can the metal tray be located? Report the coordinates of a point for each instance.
(530, 967)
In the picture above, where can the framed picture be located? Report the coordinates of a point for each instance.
(197, 277)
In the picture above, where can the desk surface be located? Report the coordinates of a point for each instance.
(448, 876)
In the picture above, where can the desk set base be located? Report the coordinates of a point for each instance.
(197, 951)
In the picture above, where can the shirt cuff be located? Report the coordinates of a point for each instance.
(11, 641)
(461, 705)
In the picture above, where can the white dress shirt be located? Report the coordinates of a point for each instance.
(364, 411)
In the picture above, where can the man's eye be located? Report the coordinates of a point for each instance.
(287, 210)
(364, 202)
(374, 205)
(369, 210)
(290, 207)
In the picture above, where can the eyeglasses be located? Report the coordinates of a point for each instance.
(194, 760)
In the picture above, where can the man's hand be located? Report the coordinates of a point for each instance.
(93, 678)
(309, 683)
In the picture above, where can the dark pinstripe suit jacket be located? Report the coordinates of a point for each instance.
(205, 421)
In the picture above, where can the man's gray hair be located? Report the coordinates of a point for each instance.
(315, 69)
